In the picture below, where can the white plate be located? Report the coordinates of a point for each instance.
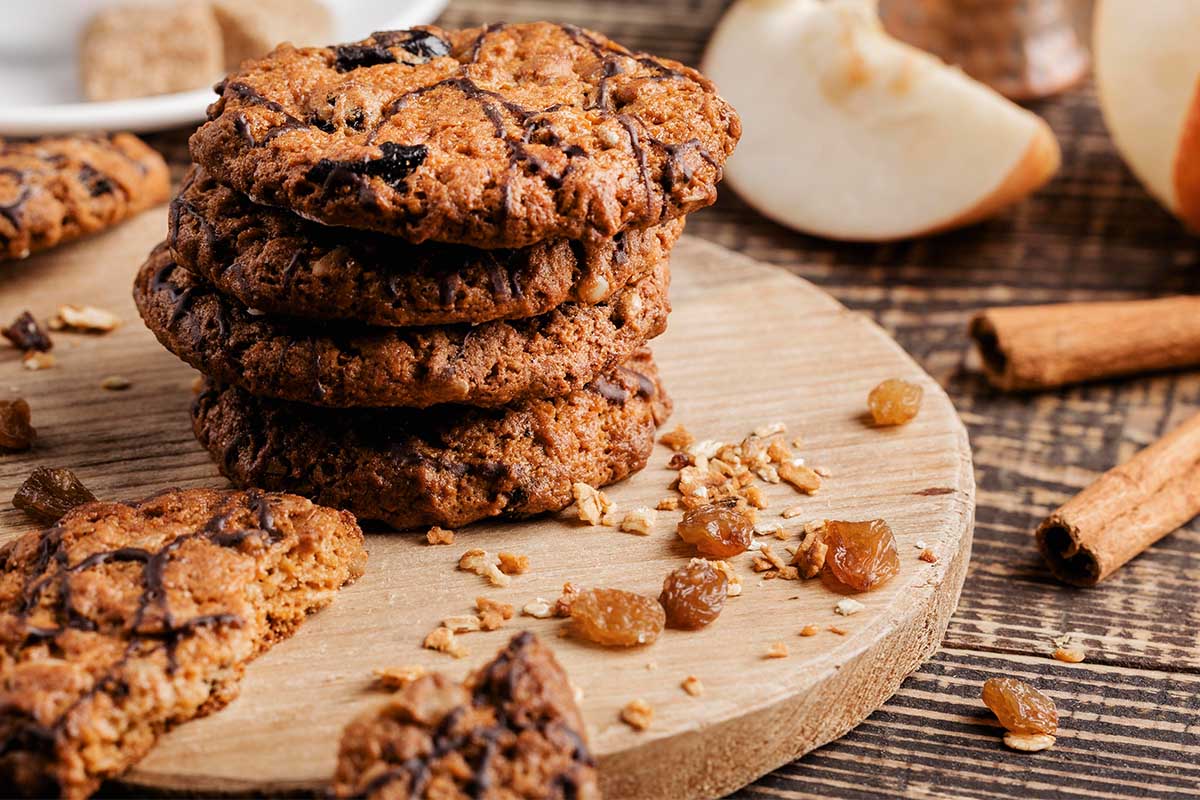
(42, 96)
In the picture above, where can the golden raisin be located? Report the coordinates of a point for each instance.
(717, 530)
(894, 402)
(861, 555)
(1020, 707)
(617, 618)
(694, 594)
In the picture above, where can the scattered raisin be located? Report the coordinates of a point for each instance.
(48, 494)
(861, 555)
(16, 432)
(1020, 707)
(894, 402)
(694, 594)
(27, 335)
(617, 618)
(717, 530)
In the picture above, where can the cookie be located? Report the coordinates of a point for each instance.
(346, 365)
(250, 28)
(511, 730)
(142, 49)
(57, 189)
(448, 465)
(273, 261)
(491, 137)
(125, 619)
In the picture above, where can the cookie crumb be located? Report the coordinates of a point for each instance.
(115, 383)
(839, 631)
(479, 562)
(734, 587)
(27, 335)
(777, 650)
(809, 630)
(678, 439)
(443, 640)
(436, 535)
(668, 504)
(562, 606)
(640, 521)
(395, 678)
(462, 623)
(928, 556)
(493, 613)
(792, 511)
(637, 714)
(1029, 742)
(1070, 655)
(36, 361)
(538, 608)
(802, 478)
(692, 685)
(591, 503)
(513, 564)
(85, 318)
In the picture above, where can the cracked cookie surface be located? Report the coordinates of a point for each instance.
(274, 261)
(125, 619)
(499, 136)
(449, 465)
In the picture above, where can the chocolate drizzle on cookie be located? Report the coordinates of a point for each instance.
(418, 47)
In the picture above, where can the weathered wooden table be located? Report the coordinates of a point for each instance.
(1131, 712)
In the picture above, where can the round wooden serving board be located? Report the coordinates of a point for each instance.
(748, 345)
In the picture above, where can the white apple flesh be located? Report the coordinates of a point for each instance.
(851, 134)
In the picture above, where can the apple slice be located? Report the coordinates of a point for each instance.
(851, 134)
(1147, 70)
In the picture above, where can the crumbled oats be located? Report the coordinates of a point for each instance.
(809, 630)
(779, 453)
(640, 520)
(777, 650)
(591, 503)
(1071, 655)
(84, 318)
(444, 641)
(679, 461)
(668, 504)
(734, 587)
(928, 556)
(678, 439)
(838, 630)
(637, 714)
(809, 558)
(764, 431)
(479, 562)
(705, 449)
(848, 606)
(768, 473)
(755, 497)
(492, 613)
(396, 678)
(463, 623)
(792, 511)
(34, 360)
(513, 564)
(1029, 742)
(802, 478)
(539, 608)
(692, 685)
(436, 535)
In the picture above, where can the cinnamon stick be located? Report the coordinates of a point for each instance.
(1126, 510)
(1039, 347)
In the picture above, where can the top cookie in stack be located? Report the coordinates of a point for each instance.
(516, 191)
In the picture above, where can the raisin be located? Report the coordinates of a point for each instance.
(347, 57)
(617, 618)
(16, 432)
(694, 595)
(1020, 707)
(26, 334)
(48, 494)
(396, 163)
(717, 530)
(895, 402)
(861, 555)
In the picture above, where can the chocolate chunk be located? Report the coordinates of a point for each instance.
(396, 164)
(26, 334)
(15, 431)
(48, 494)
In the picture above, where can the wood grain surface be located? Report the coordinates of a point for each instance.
(1129, 713)
(748, 345)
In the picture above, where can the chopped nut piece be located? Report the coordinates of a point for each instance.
(436, 535)
(894, 402)
(396, 678)
(678, 439)
(838, 630)
(640, 520)
(1029, 742)
(679, 461)
(538, 608)
(801, 477)
(444, 641)
(792, 511)
(920, 544)
(48, 494)
(705, 449)
(755, 497)
(848, 606)
(16, 432)
(809, 558)
(692, 685)
(773, 560)
(928, 555)
(735, 583)
(668, 504)
(513, 564)
(612, 519)
(1071, 655)
(479, 562)
(37, 361)
(27, 335)
(777, 650)
(492, 613)
(809, 630)
(637, 714)
(591, 503)
(763, 431)
(87, 318)
(779, 453)
(116, 383)
(463, 623)
(562, 606)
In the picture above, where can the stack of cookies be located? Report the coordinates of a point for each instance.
(419, 271)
